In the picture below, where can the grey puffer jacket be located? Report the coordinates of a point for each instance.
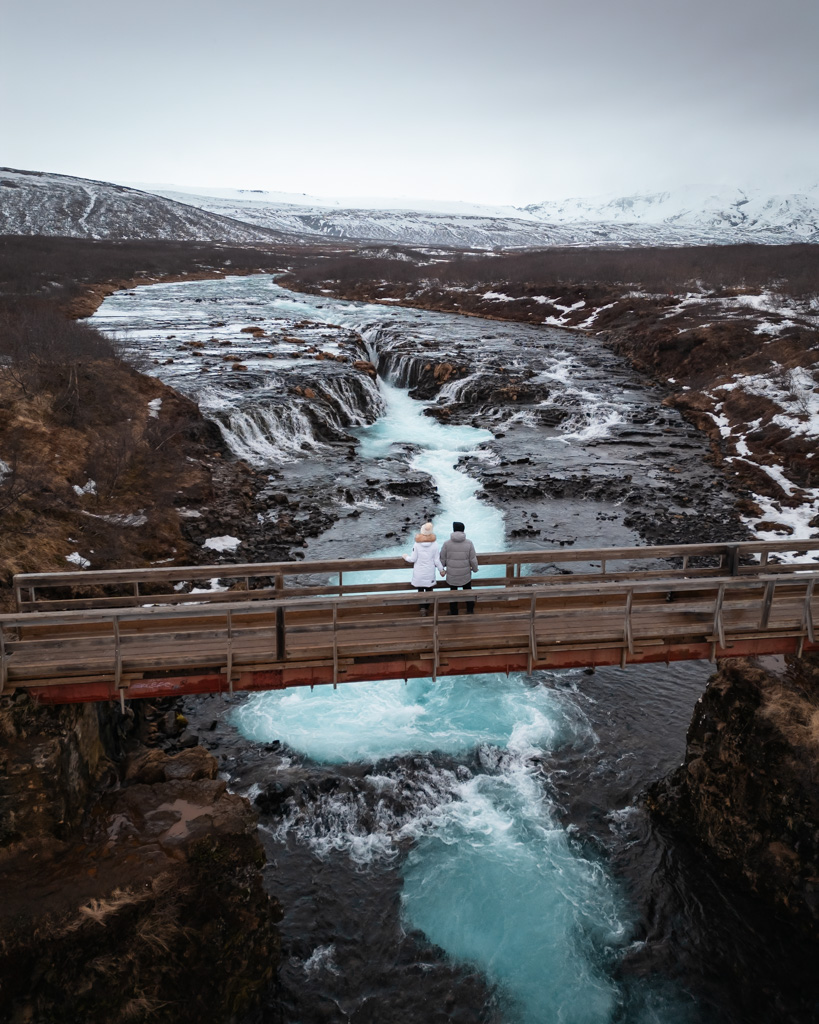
(459, 559)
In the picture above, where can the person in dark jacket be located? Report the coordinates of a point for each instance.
(459, 561)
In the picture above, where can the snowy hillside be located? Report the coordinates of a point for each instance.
(54, 204)
(242, 196)
(687, 216)
(35, 203)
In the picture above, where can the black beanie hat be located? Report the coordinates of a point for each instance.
(456, 527)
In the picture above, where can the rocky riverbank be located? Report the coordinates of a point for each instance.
(130, 877)
(747, 791)
(732, 338)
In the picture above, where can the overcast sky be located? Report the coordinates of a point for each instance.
(513, 101)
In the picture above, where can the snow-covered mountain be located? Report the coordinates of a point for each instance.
(686, 216)
(36, 203)
(695, 207)
(54, 204)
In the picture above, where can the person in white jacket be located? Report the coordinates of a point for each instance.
(424, 559)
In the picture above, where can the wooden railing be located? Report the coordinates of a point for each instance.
(254, 581)
(331, 632)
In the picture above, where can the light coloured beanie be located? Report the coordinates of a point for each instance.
(426, 528)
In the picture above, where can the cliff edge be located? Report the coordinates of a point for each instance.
(748, 790)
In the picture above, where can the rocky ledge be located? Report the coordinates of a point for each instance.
(747, 791)
(148, 906)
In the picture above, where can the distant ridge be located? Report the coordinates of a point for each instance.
(694, 215)
(38, 203)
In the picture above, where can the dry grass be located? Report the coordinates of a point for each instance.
(792, 269)
(137, 463)
(101, 910)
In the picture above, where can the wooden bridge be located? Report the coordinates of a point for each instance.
(86, 636)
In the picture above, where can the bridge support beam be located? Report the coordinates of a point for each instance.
(374, 668)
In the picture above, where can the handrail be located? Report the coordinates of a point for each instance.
(29, 620)
(361, 564)
(730, 557)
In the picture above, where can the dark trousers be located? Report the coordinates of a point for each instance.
(453, 605)
(424, 590)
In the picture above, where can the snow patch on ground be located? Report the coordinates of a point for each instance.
(76, 559)
(121, 519)
(794, 392)
(154, 405)
(798, 519)
(215, 586)
(224, 543)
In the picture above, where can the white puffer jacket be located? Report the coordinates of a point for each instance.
(425, 560)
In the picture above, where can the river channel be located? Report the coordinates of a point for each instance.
(472, 849)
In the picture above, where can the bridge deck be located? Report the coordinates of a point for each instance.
(72, 639)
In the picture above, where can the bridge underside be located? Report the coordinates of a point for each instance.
(364, 669)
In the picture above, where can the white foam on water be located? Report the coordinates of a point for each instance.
(491, 876)
(499, 884)
(595, 424)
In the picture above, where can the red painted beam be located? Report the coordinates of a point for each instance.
(402, 668)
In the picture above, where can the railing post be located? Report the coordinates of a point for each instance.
(229, 668)
(628, 641)
(733, 560)
(719, 627)
(3, 660)
(767, 601)
(532, 635)
(435, 605)
(335, 645)
(281, 654)
(807, 612)
(118, 664)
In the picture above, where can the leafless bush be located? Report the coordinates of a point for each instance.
(112, 457)
(790, 269)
